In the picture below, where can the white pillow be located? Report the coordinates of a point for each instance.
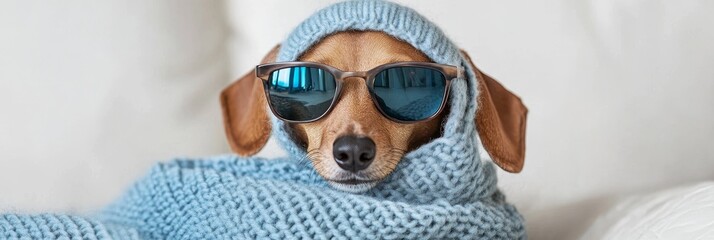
(679, 213)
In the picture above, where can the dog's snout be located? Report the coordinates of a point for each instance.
(354, 153)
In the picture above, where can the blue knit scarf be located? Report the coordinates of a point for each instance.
(442, 190)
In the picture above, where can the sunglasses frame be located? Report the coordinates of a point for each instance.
(450, 72)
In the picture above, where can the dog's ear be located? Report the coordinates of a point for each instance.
(245, 116)
(501, 122)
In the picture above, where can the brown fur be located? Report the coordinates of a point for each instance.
(355, 112)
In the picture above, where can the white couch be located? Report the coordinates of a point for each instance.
(621, 93)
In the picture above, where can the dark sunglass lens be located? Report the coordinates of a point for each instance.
(300, 93)
(410, 93)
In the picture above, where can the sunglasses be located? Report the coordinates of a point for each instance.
(404, 92)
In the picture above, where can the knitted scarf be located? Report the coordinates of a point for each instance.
(442, 190)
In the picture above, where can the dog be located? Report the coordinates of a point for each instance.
(354, 146)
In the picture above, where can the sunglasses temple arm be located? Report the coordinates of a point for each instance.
(460, 72)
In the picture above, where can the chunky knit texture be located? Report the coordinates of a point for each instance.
(440, 190)
(230, 197)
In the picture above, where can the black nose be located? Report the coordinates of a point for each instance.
(353, 153)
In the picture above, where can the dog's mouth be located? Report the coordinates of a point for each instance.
(352, 181)
(352, 185)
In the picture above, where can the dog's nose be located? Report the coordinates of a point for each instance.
(353, 153)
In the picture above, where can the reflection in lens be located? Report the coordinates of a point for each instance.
(301, 93)
(409, 93)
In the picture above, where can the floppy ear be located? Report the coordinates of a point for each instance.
(245, 116)
(501, 122)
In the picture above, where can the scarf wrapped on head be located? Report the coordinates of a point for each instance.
(441, 190)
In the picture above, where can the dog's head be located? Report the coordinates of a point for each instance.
(355, 146)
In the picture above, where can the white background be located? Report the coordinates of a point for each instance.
(620, 92)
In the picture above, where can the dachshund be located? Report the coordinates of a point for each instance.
(359, 139)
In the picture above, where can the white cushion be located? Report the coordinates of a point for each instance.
(679, 213)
